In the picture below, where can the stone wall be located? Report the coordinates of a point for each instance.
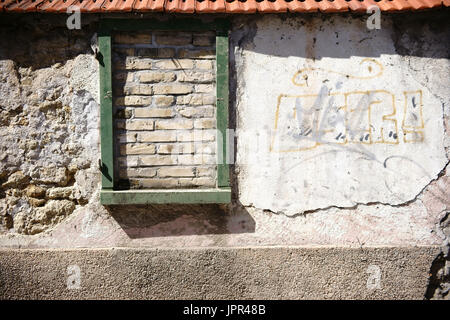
(49, 124)
(164, 88)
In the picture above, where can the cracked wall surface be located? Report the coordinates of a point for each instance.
(342, 140)
(345, 122)
(371, 187)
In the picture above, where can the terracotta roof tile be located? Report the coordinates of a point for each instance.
(149, 5)
(117, 5)
(216, 6)
(205, 6)
(90, 6)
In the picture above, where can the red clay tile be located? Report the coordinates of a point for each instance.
(91, 6)
(310, 6)
(183, 6)
(327, 6)
(340, 5)
(25, 6)
(207, 6)
(421, 4)
(268, 6)
(358, 6)
(216, 6)
(118, 5)
(401, 5)
(384, 5)
(7, 3)
(237, 6)
(186, 6)
(53, 6)
(149, 5)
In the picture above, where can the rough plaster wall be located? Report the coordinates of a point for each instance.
(50, 122)
(53, 83)
(302, 175)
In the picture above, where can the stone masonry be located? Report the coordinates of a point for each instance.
(164, 99)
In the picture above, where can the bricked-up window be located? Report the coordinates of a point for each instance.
(164, 111)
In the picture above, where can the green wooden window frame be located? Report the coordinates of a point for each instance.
(109, 194)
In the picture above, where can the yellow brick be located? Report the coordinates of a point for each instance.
(205, 111)
(196, 135)
(137, 172)
(205, 148)
(196, 159)
(158, 136)
(198, 77)
(178, 148)
(205, 182)
(204, 40)
(175, 64)
(137, 64)
(153, 113)
(157, 77)
(127, 137)
(176, 172)
(136, 125)
(157, 160)
(138, 89)
(155, 52)
(205, 88)
(126, 162)
(204, 64)
(159, 183)
(140, 148)
(207, 171)
(197, 54)
(174, 125)
(133, 38)
(133, 101)
(174, 39)
(172, 88)
(196, 99)
(164, 101)
(205, 123)
(126, 113)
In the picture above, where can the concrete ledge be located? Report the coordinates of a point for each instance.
(216, 273)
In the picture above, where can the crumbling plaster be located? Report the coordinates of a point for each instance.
(50, 143)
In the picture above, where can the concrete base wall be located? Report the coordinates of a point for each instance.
(214, 273)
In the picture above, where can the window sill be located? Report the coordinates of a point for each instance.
(161, 196)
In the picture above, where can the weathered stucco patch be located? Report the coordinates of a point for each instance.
(331, 116)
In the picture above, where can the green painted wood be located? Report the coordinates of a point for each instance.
(223, 174)
(186, 24)
(106, 111)
(110, 197)
(198, 196)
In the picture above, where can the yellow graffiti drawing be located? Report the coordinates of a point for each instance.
(304, 122)
(412, 123)
(374, 69)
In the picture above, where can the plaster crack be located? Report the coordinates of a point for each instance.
(357, 204)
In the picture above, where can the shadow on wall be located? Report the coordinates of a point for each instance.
(146, 221)
(36, 45)
(43, 40)
(345, 35)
